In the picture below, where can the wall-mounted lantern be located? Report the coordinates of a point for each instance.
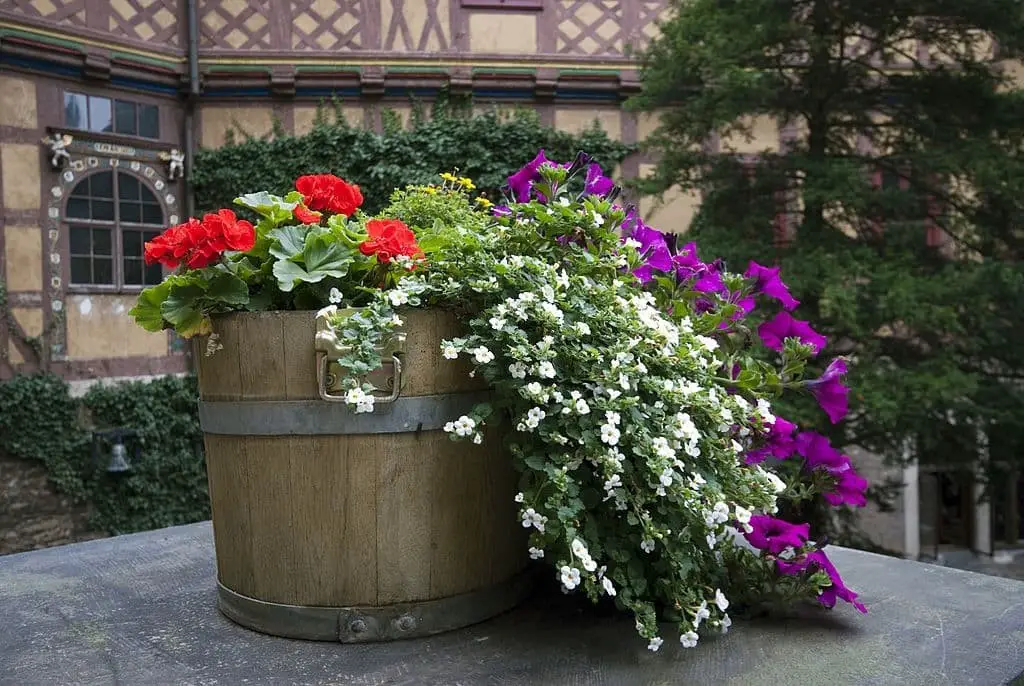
(119, 440)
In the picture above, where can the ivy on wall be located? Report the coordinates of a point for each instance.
(486, 147)
(42, 423)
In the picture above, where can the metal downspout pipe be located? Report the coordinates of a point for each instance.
(191, 100)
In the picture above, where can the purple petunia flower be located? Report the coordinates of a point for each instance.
(775, 535)
(768, 282)
(819, 453)
(597, 183)
(501, 211)
(850, 489)
(779, 442)
(838, 589)
(653, 247)
(830, 392)
(775, 332)
(521, 183)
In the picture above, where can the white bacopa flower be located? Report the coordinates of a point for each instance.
(743, 514)
(534, 417)
(612, 417)
(478, 438)
(582, 328)
(702, 613)
(710, 538)
(464, 426)
(720, 600)
(647, 545)
(519, 497)
(536, 553)
(725, 624)
(396, 320)
(482, 355)
(579, 548)
(765, 410)
(666, 477)
(609, 587)
(570, 577)
(517, 370)
(589, 564)
(720, 513)
(534, 389)
(449, 427)
(398, 297)
(611, 484)
(547, 292)
(689, 639)
(582, 407)
(449, 351)
(624, 382)
(533, 518)
(562, 279)
(632, 243)
(564, 201)
(546, 370)
(655, 643)
(497, 323)
(609, 434)
(775, 481)
(335, 296)
(366, 406)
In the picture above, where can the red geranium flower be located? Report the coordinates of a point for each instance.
(306, 215)
(328, 192)
(198, 244)
(388, 239)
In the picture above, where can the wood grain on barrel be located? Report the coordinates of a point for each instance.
(352, 520)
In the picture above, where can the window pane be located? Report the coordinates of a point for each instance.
(149, 121)
(81, 189)
(152, 214)
(124, 118)
(99, 114)
(101, 244)
(102, 185)
(127, 187)
(103, 270)
(133, 272)
(103, 210)
(81, 270)
(81, 240)
(78, 208)
(131, 241)
(146, 195)
(154, 274)
(131, 212)
(76, 115)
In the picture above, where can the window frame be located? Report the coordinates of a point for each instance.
(113, 100)
(117, 228)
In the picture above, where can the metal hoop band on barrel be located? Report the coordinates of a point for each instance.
(317, 418)
(369, 624)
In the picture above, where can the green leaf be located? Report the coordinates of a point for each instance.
(147, 311)
(266, 204)
(289, 274)
(288, 242)
(180, 309)
(328, 259)
(228, 289)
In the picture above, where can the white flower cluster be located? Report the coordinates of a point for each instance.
(360, 400)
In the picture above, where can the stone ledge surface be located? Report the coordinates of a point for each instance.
(140, 610)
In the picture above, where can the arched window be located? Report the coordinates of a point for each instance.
(109, 216)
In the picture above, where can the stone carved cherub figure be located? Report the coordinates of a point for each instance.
(58, 144)
(175, 163)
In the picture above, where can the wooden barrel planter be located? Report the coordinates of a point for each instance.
(330, 525)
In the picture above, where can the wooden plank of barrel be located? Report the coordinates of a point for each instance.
(330, 525)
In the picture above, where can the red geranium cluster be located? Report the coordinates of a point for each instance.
(198, 243)
(329, 193)
(389, 238)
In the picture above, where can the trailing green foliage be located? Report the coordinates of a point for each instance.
(41, 422)
(486, 147)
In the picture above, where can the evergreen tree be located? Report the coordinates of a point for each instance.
(894, 206)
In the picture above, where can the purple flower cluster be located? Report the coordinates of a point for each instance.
(775, 537)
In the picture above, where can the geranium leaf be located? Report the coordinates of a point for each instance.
(273, 207)
(288, 242)
(147, 312)
(228, 289)
(179, 308)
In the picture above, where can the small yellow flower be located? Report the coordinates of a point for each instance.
(466, 183)
(430, 190)
(484, 202)
(449, 177)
